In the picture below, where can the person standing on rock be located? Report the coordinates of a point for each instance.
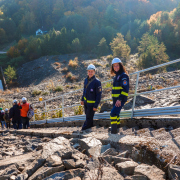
(119, 92)
(3, 123)
(6, 118)
(24, 108)
(1, 117)
(91, 96)
(14, 115)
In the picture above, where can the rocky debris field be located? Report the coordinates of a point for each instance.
(94, 154)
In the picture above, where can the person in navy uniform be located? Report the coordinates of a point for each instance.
(91, 96)
(119, 92)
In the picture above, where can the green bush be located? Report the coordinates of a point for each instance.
(36, 92)
(58, 88)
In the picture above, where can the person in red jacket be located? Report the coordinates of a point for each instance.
(24, 108)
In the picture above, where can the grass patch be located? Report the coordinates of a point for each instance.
(36, 92)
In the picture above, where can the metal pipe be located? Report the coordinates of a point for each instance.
(45, 112)
(63, 107)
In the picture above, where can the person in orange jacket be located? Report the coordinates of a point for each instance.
(24, 108)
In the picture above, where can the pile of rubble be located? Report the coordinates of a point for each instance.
(92, 155)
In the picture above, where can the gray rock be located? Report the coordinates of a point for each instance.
(91, 145)
(106, 107)
(59, 146)
(110, 151)
(139, 177)
(67, 174)
(124, 154)
(44, 172)
(108, 173)
(152, 172)
(69, 164)
(77, 155)
(54, 160)
(173, 171)
(105, 147)
(120, 159)
(11, 170)
(80, 163)
(127, 167)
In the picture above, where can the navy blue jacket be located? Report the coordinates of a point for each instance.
(1, 116)
(14, 113)
(92, 94)
(120, 87)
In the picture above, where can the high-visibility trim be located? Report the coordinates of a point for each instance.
(124, 93)
(115, 95)
(113, 117)
(117, 88)
(90, 101)
(118, 122)
(113, 122)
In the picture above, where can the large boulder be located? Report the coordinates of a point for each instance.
(53, 161)
(91, 145)
(59, 146)
(152, 172)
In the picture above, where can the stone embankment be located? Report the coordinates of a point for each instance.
(67, 153)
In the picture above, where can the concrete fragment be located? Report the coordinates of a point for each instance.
(127, 167)
(173, 171)
(91, 145)
(152, 172)
(11, 170)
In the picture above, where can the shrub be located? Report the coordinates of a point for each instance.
(10, 73)
(73, 63)
(13, 52)
(44, 93)
(78, 110)
(69, 75)
(65, 69)
(36, 92)
(58, 88)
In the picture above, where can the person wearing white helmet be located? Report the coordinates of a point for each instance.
(24, 108)
(6, 118)
(14, 115)
(119, 92)
(3, 123)
(91, 96)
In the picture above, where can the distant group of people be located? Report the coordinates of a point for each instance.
(92, 94)
(18, 115)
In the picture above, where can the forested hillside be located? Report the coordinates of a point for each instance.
(100, 27)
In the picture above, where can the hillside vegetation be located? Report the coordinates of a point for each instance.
(87, 26)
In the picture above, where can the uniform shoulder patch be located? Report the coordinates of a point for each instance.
(125, 82)
(100, 88)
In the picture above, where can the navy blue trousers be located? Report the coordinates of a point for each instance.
(114, 116)
(89, 116)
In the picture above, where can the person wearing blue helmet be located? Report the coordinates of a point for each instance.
(120, 91)
(91, 96)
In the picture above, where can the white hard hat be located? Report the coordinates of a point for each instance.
(2, 111)
(24, 99)
(15, 101)
(116, 60)
(6, 109)
(91, 67)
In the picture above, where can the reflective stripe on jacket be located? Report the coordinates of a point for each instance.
(92, 94)
(120, 87)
